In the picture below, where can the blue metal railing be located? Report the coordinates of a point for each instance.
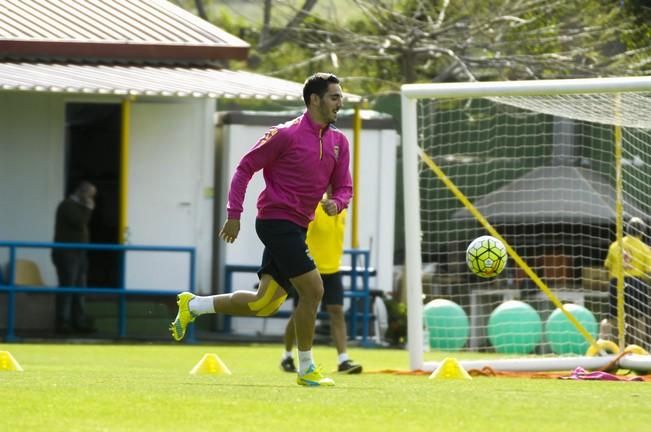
(355, 272)
(11, 288)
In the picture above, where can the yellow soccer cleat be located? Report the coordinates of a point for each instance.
(184, 317)
(313, 378)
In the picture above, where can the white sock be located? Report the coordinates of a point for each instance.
(304, 361)
(201, 305)
(343, 357)
(288, 354)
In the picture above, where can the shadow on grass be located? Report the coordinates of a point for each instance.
(290, 386)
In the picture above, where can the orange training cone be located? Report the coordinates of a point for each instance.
(450, 369)
(8, 362)
(210, 364)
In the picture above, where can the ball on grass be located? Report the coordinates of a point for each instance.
(514, 327)
(447, 324)
(561, 334)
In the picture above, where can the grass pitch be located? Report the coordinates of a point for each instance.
(149, 388)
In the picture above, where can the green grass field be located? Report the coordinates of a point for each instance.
(149, 388)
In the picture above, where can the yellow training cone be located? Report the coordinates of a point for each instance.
(8, 362)
(210, 364)
(450, 369)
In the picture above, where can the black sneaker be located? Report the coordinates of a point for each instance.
(348, 367)
(288, 365)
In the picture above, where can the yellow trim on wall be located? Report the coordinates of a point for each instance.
(124, 171)
(357, 129)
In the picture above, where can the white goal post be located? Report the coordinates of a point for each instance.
(510, 159)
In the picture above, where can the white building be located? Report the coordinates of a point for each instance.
(130, 107)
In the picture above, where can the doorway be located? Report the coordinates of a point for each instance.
(93, 154)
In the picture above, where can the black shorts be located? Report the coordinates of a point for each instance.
(285, 252)
(333, 290)
(636, 297)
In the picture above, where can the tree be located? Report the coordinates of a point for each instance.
(416, 40)
(269, 40)
(198, 6)
(477, 40)
(397, 41)
(201, 11)
(637, 41)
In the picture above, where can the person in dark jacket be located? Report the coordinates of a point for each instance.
(72, 226)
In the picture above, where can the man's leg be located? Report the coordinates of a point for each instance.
(81, 321)
(263, 302)
(65, 267)
(637, 331)
(646, 314)
(338, 327)
(287, 362)
(310, 292)
(609, 323)
(290, 335)
(333, 298)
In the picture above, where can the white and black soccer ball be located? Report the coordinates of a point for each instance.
(486, 256)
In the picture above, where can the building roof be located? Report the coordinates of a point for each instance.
(124, 47)
(147, 81)
(116, 29)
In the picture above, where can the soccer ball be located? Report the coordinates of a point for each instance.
(486, 256)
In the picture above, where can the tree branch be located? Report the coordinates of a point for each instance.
(201, 11)
(270, 42)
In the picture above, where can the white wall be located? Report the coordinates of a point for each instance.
(31, 172)
(170, 174)
(32, 178)
(376, 210)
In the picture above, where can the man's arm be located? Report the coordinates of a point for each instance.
(266, 150)
(341, 181)
(230, 230)
(330, 207)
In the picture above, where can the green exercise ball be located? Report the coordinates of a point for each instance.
(447, 324)
(514, 327)
(561, 334)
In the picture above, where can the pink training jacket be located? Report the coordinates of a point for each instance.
(298, 160)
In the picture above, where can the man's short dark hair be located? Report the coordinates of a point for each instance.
(318, 83)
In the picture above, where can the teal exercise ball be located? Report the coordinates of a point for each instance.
(514, 327)
(561, 334)
(447, 324)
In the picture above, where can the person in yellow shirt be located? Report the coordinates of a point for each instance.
(325, 242)
(635, 265)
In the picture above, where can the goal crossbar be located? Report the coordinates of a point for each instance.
(526, 88)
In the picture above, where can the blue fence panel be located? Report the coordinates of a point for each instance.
(359, 270)
(122, 292)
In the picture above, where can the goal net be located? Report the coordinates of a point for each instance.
(555, 169)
